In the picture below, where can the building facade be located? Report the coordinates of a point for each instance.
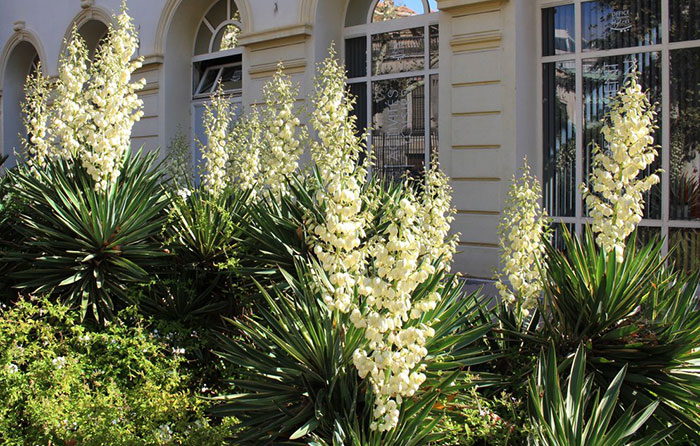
(485, 83)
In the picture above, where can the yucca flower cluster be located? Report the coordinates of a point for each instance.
(115, 104)
(95, 105)
(615, 199)
(521, 237)
(36, 115)
(339, 237)
(244, 152)
(261, 148)
(281, 135)
(374, 279)
(217, 127)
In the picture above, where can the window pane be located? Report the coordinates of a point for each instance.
(217, 14)
(231, 78)
(645, 234)
(396, 9)
(201, 45)
(398, 51)
(687, 253)
(359, 92)
(356, 57)
(608, 24)
(602, 78)
(398, 119)
(558, 30)
(684, 169)
(434, 46)
(685, 19)
(559, 137)
(208, 81)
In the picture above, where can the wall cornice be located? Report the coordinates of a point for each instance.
(459, 6)
(270, 36)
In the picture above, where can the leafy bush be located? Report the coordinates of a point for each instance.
(473, 419)
(61, 383)
(576, 416)
(298, 383)
(87, 246)
(10, 239)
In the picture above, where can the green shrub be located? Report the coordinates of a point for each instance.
(84, 246)
(10, 239)
(61, 383)
(473, 419)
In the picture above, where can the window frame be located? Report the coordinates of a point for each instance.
(369, 29)
(664, 48)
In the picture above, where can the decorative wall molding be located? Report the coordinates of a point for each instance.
(476, 41)
(268, 69)
(271, 37)
(466, 6)
(24, 35)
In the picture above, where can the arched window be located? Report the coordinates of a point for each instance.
(392, 58)
(92, 32)
(217, 59)
(23, 61)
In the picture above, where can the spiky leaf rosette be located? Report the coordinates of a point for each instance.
(298, 385)
(87, 246)
(575, 415)
(634, 313)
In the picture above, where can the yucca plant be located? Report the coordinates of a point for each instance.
(87, 247)
(203, 234)
(576, 415)
(636, 314)
(299, 386)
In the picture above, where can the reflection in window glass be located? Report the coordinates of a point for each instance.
(232, 78)
(558, 30)
(686, 256)
(684, 170)
(559, 102)
(398, 120)
(609, 24)
(396, 9)
(684, 19)
(434, 46)
(205, 86)
(398, 51)
(433, 5)
(602, 78)
(227, 38)
(646, 234)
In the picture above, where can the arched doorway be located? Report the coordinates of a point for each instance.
(22, 60)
